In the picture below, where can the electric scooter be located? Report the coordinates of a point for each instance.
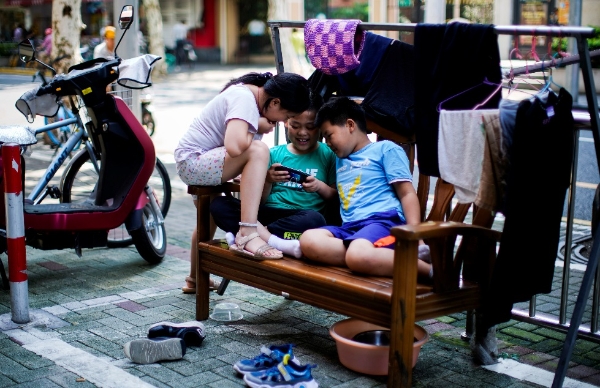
(126, 161)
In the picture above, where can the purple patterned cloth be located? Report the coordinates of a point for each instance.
(333, 46)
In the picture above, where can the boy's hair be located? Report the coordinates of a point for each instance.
(291, 89)
(315, 102)
(338, 110)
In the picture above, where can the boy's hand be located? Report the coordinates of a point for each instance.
(277, 176)
(311, 185)
(265, 126)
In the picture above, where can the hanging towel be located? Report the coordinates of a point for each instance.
(460, 151)
(492, 182)
(333, 46)
(390, 100)
(441, 72)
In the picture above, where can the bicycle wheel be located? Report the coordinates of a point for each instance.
(80, 178)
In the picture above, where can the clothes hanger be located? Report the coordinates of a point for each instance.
(550, 81)
(484, 82)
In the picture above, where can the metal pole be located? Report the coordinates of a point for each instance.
(15, 233)
(129, 47)
(572, 47)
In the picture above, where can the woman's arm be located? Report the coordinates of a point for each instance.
(237, 137)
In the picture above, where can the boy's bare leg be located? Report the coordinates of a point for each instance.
(320, 245)
(364, 257)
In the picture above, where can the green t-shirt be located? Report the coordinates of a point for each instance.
(289, 195)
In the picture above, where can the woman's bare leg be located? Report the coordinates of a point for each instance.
(253, 164)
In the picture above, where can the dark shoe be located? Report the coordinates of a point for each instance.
(148, 351)
(191, 332)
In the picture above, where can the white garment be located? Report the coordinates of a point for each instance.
(179, 31)
(460, 151)
(207, 130)
(100, 51)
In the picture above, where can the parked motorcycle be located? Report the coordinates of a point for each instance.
(126, 161)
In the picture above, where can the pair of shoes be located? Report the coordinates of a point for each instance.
(240, 244)
(149, 351)
(166, 341)
(268, 358)
(287, 374)
(192, 332)
(192, 290)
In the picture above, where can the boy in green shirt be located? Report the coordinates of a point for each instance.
(288, 208)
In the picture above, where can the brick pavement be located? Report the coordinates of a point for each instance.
(109, 296)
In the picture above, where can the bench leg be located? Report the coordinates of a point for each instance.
(403, 314)
(202, 277)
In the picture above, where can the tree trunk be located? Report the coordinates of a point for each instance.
(66, 31)
(156, 44)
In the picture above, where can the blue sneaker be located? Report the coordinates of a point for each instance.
(287, 374)
(268, 358)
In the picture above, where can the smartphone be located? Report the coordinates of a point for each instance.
(295, 175)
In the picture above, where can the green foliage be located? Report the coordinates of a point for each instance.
(7, 48)
(358, 11)
(593, 44)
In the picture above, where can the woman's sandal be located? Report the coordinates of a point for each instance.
(192, 290)
(240, 244)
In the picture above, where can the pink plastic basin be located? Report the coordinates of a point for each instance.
(365, 358)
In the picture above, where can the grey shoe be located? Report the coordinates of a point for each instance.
(151, 350)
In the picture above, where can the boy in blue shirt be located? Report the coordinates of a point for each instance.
(375, 188)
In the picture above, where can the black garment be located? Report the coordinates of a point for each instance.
(284, 223)
(391, 98)
(356, 82)
(537, 178)
(449, 59)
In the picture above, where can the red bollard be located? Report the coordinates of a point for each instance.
(15, 233)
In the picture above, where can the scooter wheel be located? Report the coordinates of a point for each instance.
(151, 239)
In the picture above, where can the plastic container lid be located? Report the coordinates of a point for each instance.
(226, 312)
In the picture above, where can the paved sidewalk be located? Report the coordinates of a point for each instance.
(85, 309)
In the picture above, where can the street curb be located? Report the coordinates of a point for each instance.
(17, 71)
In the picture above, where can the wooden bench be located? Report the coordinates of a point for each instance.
(460, 275)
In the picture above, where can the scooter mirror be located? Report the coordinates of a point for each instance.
(126, 17)
(26, 51)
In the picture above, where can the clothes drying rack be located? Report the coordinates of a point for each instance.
(578, 33)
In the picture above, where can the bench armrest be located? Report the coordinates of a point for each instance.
(478, 246)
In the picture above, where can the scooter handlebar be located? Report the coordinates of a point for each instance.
(89, 78)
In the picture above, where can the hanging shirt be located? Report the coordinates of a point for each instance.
(539, 162)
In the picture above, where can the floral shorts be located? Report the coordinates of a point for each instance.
(203, 170)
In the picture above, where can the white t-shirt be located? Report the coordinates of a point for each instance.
(101, 51)
(207, 130)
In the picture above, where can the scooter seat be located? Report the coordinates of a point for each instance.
(85, 207)
(17, 134)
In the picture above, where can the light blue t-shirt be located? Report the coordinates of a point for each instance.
(364, 180)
